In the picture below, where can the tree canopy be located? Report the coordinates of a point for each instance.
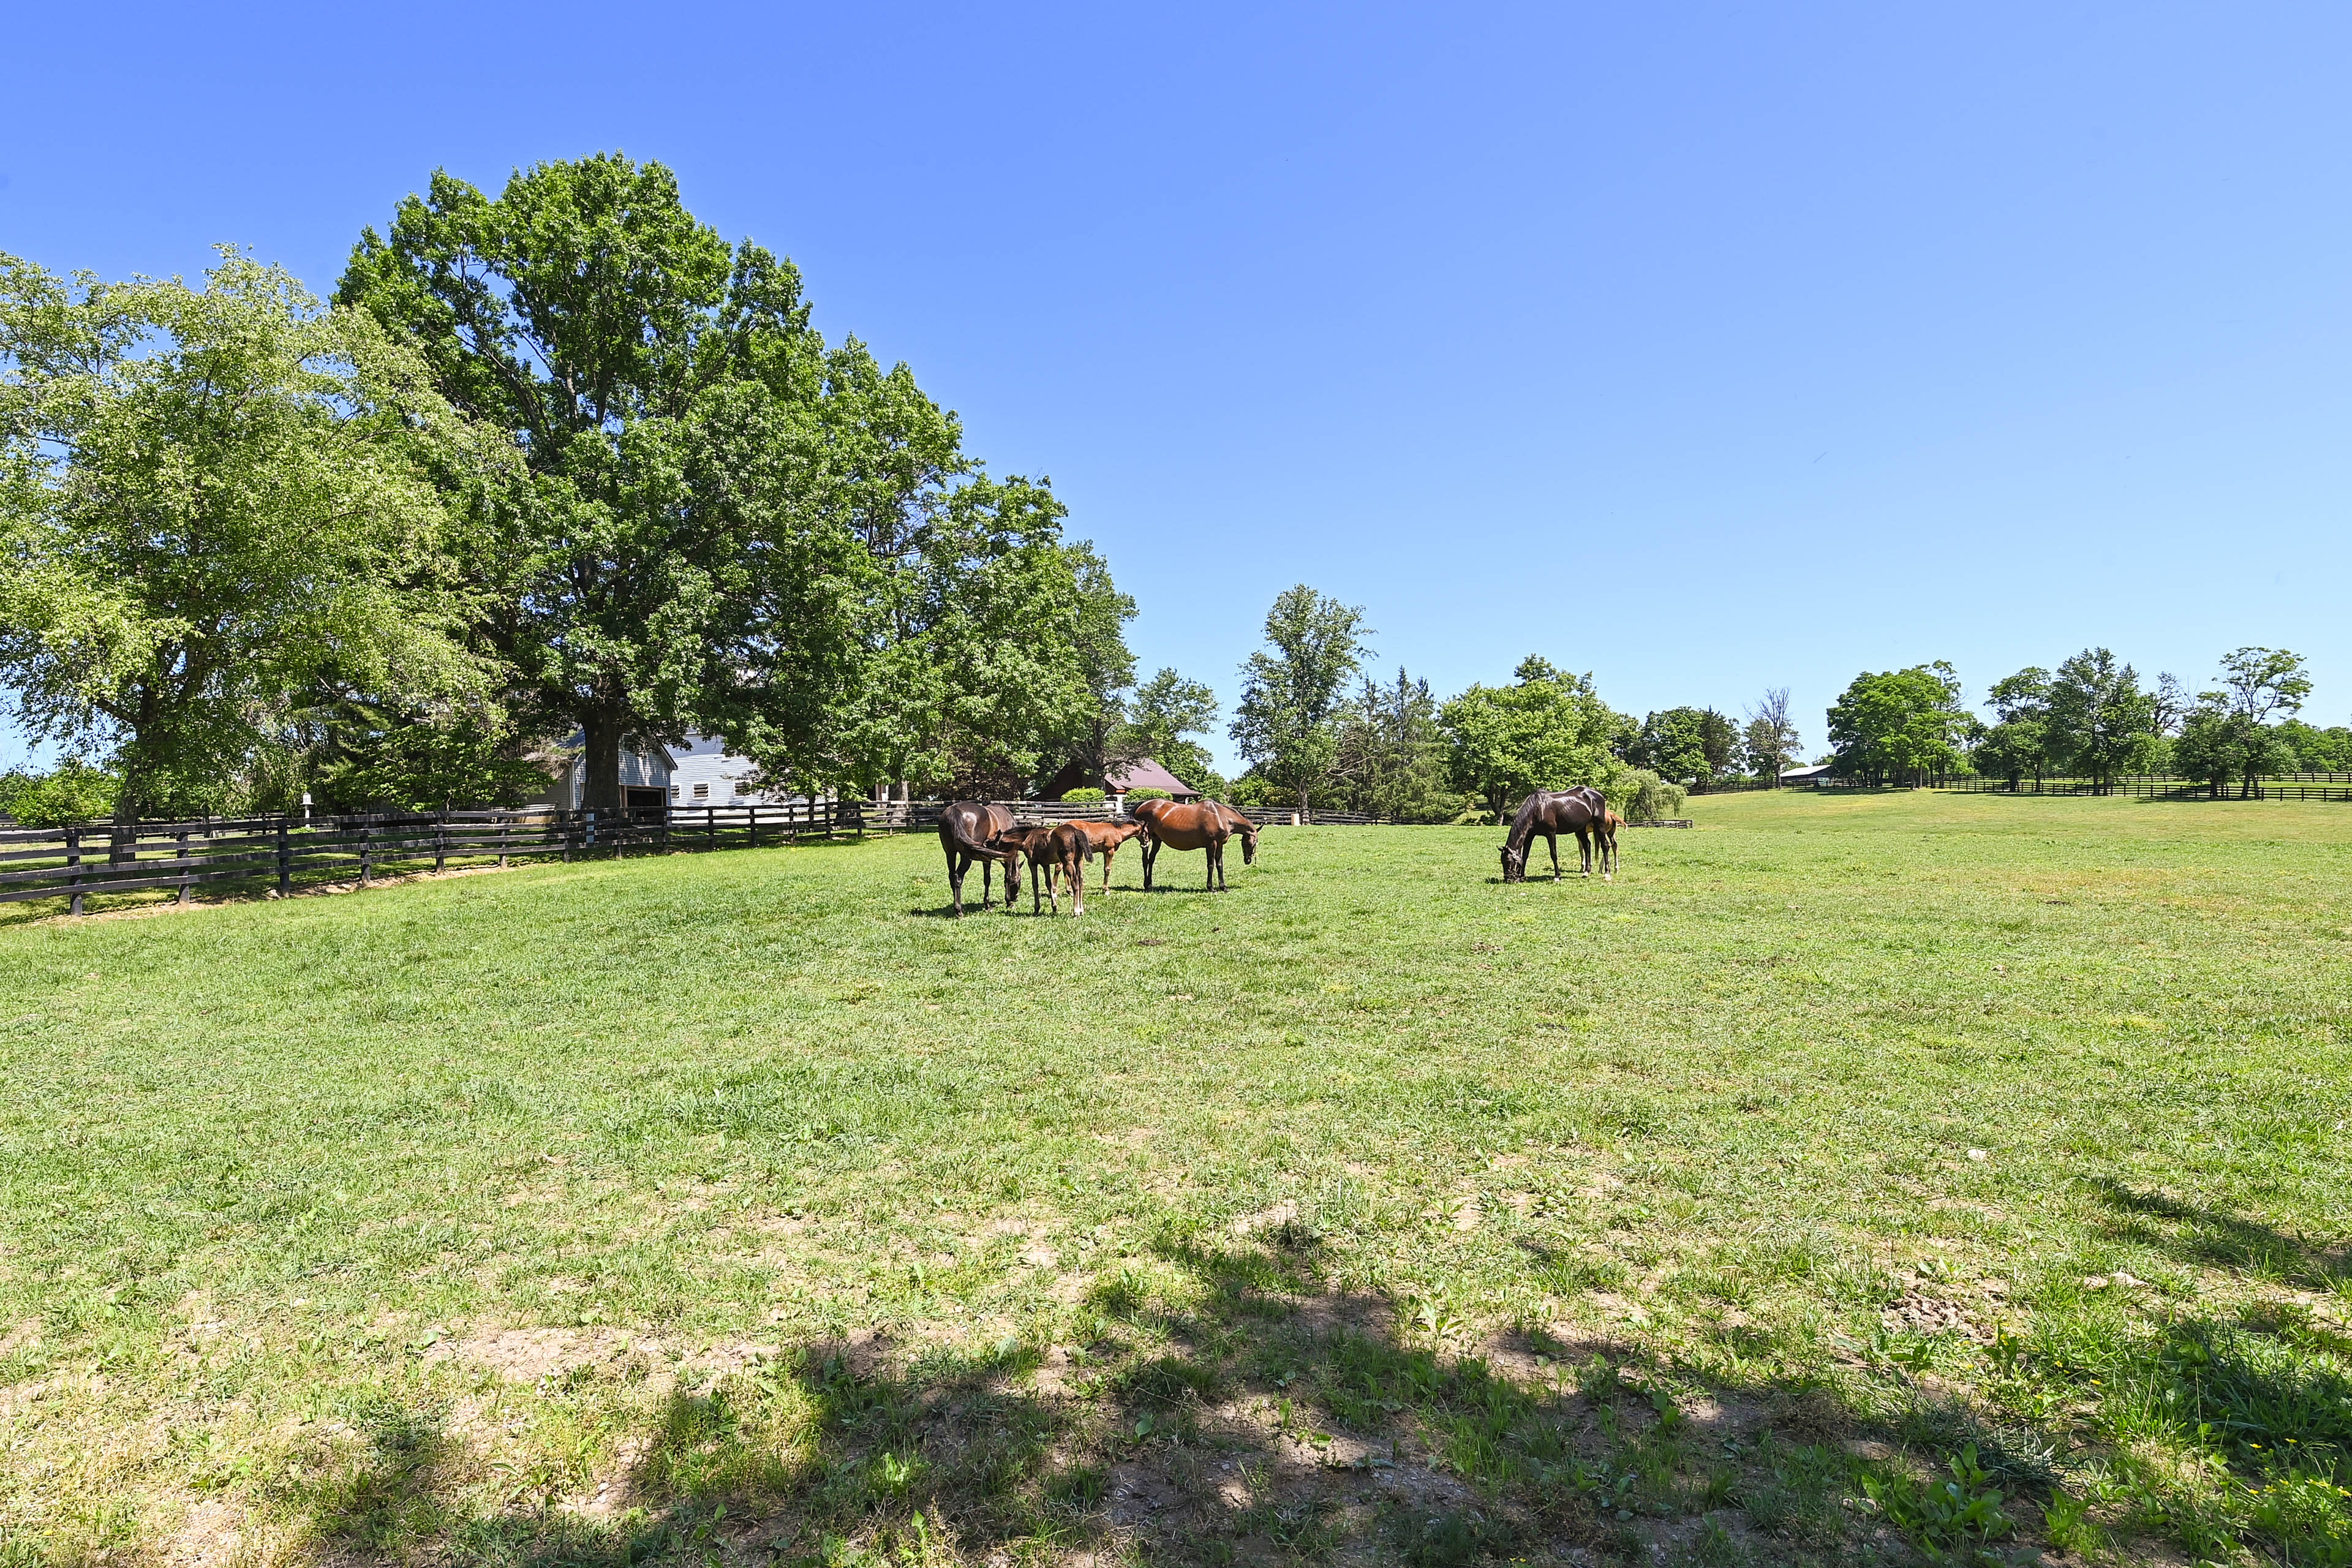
(217, 504)
(2097, 720)
(1548, 730)
(1292, 690)
(1902, 723)
(1688, 745)
(718, 521)
(1164, 713)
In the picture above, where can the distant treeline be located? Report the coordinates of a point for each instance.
(2089, 718)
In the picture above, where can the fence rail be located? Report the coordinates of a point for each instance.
(284, 852)
(2169, 786)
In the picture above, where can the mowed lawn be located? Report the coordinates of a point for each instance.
(1856, 1178)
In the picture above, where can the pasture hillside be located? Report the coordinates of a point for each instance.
(1858, 1177)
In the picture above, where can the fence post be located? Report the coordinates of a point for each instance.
(503, 821)
(73, 859)
(367, 848)
(563, 833)
(284, 860)
(187, 872)
(588, 829)
(441, 841)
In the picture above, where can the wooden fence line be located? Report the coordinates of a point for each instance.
(2168, 786)
(76, 861)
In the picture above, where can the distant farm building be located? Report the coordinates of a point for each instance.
(1145, 773)
(700, 773)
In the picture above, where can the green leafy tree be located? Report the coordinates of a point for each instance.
(1767, 743)
(979, 683)
(70, 792)
(2099, 721)
(679, 547)
(215, 503)
(2318, 750)
(1391, 756)
(1104, 740)
(1691, 745)
(2019, 742)
(2230, 732)
(1293, 687)
(1902, 723)
(2218, 745)
(368, 757)
(1547, 731)
(1166, 711)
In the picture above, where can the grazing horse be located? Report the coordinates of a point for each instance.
(1035, 845)
(1207, 825)
(966, 829)
(1071, 844)
(1551, 813)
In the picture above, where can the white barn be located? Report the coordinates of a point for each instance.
(699, 772)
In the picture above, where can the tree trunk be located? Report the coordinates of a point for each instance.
(125, 836)
(600, 761)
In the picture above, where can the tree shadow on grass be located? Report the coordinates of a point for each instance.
(2199, 1235)
(1213, 1400)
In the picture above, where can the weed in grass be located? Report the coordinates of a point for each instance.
(1952, 1518)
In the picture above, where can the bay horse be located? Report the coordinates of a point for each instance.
(1071, 844)
(1206, 826)
(1577, 810)
(967, 831)
(1605, 834)
(1035, 845)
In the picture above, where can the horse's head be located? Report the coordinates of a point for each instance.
(1514, 864)
(1249, 843)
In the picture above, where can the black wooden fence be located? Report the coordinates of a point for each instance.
(2169, 786)
(280, 853)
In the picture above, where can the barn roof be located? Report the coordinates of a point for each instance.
(1147, 774)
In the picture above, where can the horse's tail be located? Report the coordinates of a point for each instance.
(961, 839)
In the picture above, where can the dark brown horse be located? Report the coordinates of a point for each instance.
(1169, 826)
(966, 829)
(1551, 813)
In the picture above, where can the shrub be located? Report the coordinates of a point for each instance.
(1084, 795)
(1250, 791)
(1639, 795)
(1135, 795)
(76, 792)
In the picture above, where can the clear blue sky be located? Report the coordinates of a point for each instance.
(1706, 347)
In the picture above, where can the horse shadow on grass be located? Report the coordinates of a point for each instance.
(1212, 1399)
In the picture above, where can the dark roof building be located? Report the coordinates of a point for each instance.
(1144, 773)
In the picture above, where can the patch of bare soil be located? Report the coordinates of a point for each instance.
(209, 1536)
(1916, 1312)
(530, 1355)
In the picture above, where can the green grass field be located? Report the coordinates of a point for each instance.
(1891, 1178)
